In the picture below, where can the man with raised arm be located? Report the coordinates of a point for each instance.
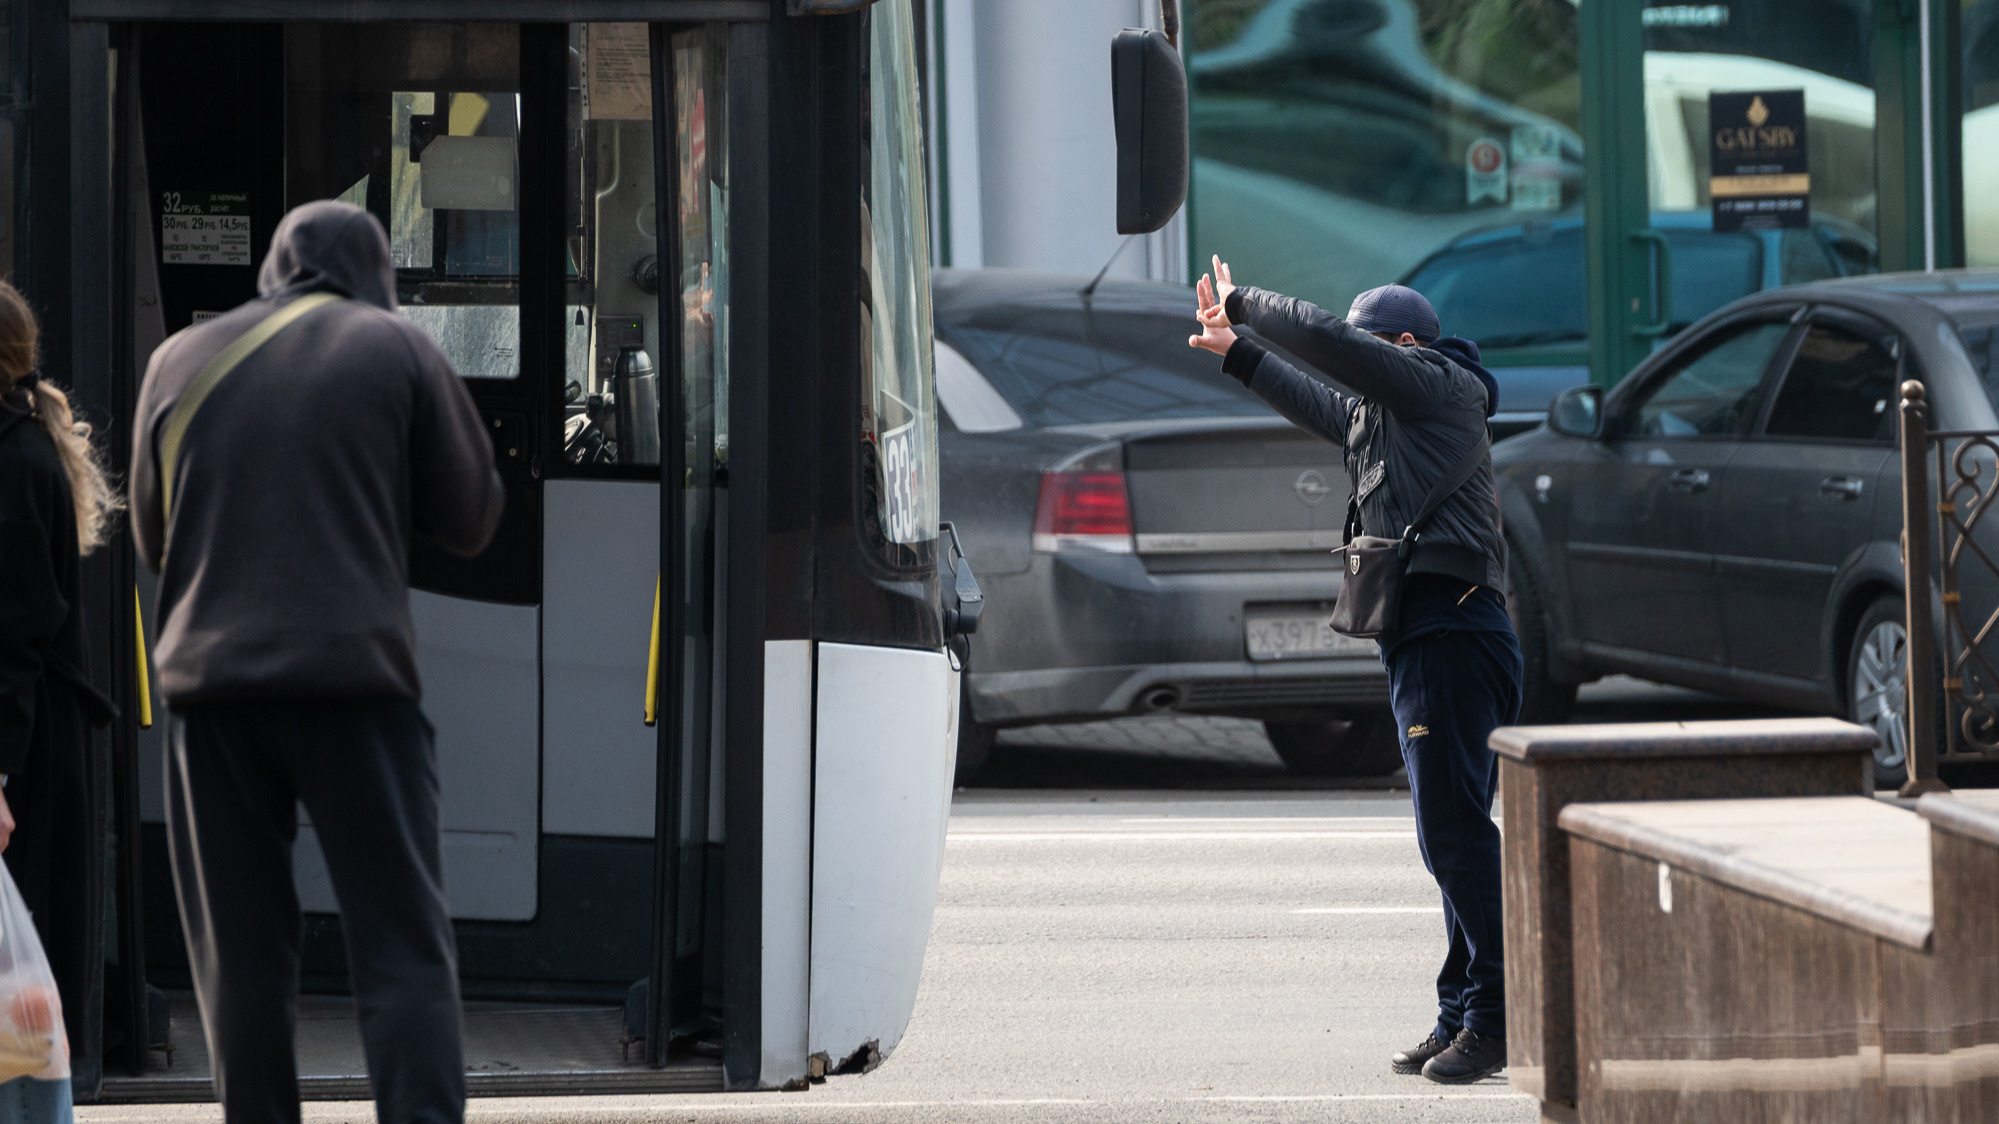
(1414, 406)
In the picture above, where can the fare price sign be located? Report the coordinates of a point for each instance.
(1757, 153)
(205, 227)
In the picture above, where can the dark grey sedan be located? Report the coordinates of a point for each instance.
(1728, 517)
(1152, 538)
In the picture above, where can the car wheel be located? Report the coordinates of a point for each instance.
(1361, 744)
(1543, 702)
(975, 739)
(1877, 686)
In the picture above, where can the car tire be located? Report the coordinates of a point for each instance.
(1360, 744)
(975, 739)
(1877, 686)
(1543, 701)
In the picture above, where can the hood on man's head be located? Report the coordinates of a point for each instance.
(330, 246)
(1464, 353)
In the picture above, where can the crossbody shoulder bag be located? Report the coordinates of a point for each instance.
(205, 381)
(1370, 601)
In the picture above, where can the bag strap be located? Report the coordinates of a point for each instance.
(1447, 486)
(205, 381)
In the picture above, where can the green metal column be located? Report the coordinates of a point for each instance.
(1947, 120)
(1898, 138)
(1614, 187)
(1898, 134)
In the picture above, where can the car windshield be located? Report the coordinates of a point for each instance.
(1059, 368)
(1980, 333)
(1528, 290)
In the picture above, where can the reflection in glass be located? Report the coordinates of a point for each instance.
(612, 331)
(1712, 394)
(419, 124)
(1066, 371)
(701, 138)
(1339, 144)
(899, 412)
(1979, 20)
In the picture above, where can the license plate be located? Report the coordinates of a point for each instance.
(1299, 636)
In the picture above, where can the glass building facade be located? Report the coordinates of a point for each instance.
(1491, 154)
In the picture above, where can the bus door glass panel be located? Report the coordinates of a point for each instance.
(898, 406)
(601, 553)
(699, 299)
(418, 123)
(611, 318)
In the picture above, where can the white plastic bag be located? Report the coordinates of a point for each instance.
(32, 1040)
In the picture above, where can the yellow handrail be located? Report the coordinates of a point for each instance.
(652, 661)
(145, 684)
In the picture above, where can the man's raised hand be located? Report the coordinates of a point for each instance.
(1216, 335)
(1224, 280)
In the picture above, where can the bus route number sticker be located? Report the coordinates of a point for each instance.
(205, 227)
(901, 484)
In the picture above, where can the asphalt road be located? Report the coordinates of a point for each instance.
(1195, 938)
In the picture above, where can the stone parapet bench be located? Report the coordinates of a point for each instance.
(1756, 960)
(1543, 769)
(1964, 852)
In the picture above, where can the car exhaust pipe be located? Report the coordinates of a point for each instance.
(1157, 699)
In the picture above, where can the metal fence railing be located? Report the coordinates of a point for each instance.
(1955, 672)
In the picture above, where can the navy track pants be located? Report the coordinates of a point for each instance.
(1450, 690)
(366, 772)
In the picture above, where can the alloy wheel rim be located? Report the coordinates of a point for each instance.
(1880, 690)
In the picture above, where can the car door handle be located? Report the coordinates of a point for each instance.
(1688, 480)
(1845, 487)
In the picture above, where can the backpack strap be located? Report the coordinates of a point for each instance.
(206, 380)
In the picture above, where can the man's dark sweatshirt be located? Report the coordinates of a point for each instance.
(304, 477)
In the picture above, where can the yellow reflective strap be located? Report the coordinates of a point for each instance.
(205, 381)
(652, 661)
(145, 682)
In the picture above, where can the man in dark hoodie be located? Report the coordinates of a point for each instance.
(287, 656)
(1420, 403)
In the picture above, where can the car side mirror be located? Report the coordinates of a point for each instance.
(1149, 103)
(1578, 412)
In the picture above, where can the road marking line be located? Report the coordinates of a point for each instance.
(1163, 836)
(696, 1103)
(1269, 819)
(1352, 909)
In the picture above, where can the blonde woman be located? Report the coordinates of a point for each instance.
(55, 506)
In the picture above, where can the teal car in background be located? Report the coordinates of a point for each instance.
(1520, 291)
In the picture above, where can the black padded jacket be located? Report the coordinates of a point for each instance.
(1412, 414)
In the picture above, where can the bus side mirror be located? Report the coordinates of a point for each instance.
(1149, 100)
(1578, 412)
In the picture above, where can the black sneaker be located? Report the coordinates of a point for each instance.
(1471, 1057)
(1412, 1059)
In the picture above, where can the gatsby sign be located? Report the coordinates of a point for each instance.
(1758, 160)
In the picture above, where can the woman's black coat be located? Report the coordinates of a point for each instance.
(47, 704)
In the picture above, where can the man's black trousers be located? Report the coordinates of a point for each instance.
(1450, 690)
(366, 772)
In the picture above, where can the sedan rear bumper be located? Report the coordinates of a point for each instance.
(1232, 688)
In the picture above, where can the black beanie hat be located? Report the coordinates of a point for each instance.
(1395, 309)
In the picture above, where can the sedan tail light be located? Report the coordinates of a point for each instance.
(1084, 507)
